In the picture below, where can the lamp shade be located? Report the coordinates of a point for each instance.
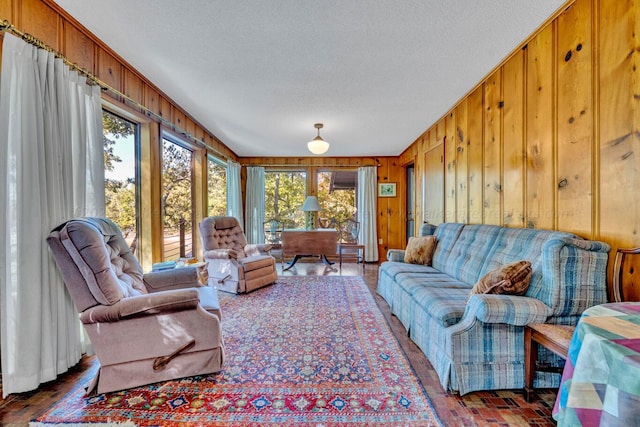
(311, 204)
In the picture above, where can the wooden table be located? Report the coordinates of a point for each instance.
(553, 337)
(350, 246)
(300, 243)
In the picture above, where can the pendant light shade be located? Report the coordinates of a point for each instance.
(318, 145)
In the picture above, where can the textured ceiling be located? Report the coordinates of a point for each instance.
(258, 74)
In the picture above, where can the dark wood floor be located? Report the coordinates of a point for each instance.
(495, 408)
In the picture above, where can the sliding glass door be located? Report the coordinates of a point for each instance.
(177, 198)
(121, 171)
(216, 187)
(284, 193)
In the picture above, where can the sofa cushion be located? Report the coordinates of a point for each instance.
(392, 269)
(446, 234)
(468, 253)
(445, 305)
(410, 282)
(513, 278)
(420, 250)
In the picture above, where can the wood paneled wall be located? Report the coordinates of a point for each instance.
(548, 140)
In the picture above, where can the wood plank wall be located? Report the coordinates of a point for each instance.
(548, 139)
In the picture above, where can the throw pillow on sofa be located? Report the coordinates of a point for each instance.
(511, 279)
(420, 250)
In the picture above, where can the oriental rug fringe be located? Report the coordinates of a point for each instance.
(306, 351)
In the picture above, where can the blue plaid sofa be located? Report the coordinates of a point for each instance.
(477, 342)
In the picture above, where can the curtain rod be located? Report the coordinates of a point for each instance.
(298, 165)
(6, 26)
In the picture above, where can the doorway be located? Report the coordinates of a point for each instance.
(409, 208)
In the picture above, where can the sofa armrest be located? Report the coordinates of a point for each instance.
(574, 274)
(587, 245)
(509, 309)
(175, 278)
(257, 249)
(395, 255)
(148, 304)
(220, 254)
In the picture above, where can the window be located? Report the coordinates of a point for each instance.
(121, 147)
(216, 187)
(284, 195)
(337, 198)
(177, 199)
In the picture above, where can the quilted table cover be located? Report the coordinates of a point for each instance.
(601, 379)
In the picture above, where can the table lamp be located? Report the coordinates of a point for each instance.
(310, 206)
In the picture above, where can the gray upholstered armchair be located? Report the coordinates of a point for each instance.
(144, 328)
(233, 265)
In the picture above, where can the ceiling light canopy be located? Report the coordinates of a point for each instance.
(318, 145)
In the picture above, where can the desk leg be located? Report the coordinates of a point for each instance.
(297, 257)
(293, 262)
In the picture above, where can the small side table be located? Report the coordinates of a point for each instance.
(556, 338)
(356, 246)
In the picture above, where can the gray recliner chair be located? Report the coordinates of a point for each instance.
(144, 328)
(233, 265)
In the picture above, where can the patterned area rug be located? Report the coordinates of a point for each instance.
(309, 351)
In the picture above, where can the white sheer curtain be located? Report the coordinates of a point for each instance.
(51, 170)
(367, 211)
(255, 205)
(234, 191)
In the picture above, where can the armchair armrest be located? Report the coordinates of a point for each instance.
(148, 304)
(220, 254)
(257, 249)
(509, 309)
(176, 278)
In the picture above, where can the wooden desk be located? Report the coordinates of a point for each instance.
(299, 243)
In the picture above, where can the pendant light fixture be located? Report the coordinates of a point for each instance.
(318, 145)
